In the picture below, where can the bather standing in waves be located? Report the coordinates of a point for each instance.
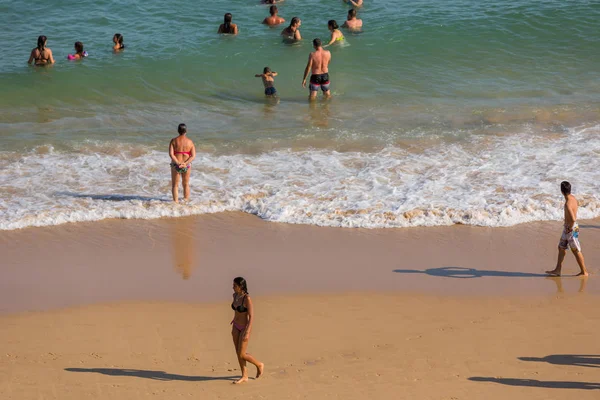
(182, 152)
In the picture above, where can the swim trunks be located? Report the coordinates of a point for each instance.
(270, 91)
(181, 170)
(570, 238)
(319, 80)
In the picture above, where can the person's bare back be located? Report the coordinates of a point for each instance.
(319, 60)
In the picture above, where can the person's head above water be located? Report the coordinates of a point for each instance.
(266, 70)
(565, 187)
(317, 43)
(41, 43)
(182, 129)
(78, 47)
(118, 39)
(273, 10)
(295, 22)
(332, 24)
(351, 14)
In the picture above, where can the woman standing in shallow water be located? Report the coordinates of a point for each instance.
(242, 326)
(182, 152)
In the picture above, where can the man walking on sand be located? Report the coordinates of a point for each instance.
(570, 235)
(318, 65)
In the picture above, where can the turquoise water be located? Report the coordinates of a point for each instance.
(423, 79)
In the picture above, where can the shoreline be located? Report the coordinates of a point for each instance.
(193, 259)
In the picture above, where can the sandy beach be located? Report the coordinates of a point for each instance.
(134, 309)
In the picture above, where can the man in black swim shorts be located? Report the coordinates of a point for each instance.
(318, 65)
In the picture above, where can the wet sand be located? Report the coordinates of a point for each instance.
(194, 259)
(137, 309)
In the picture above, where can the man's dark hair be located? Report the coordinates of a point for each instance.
(273, 10)
(317, 42)
(565, 187)
(182, 129)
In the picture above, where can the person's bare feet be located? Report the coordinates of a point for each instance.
(241, 380)
(554, 272)
(583, 274)
(259, 370)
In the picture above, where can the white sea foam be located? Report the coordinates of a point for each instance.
(487, 181)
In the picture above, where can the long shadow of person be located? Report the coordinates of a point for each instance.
(468, 273)
(536, 383)
(156, 375)
(579, 360)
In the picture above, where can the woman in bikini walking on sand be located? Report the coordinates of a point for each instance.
(242, 326)
(182, 152)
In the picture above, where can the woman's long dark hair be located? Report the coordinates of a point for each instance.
(41, 42)
(119, 38)
(333, 24)
(79, 48)
(227, 23)
(241, 282)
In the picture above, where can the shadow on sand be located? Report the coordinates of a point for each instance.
(590, 226)
(111, 197)
(539, 384)
(467, 273)
(156, 375)
(578, 360)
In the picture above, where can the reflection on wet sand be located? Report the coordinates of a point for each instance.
(559, 284)
(183, 250)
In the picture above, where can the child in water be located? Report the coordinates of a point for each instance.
(268, 81)
(79, 52)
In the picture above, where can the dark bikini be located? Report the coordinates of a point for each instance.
(240, 309)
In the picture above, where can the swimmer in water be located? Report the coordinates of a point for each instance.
(41, 55)
(268, 81)
(274, 19)
(336, 34)
(352, 22)
(227, 27)
(354, 3)
(118, 41)
(292, 33)
(79, 52)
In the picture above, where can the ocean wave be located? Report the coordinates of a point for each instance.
(485, 180)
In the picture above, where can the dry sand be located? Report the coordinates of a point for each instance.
(140, 309)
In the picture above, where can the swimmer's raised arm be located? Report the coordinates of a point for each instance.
(273, 73)
(259, 75)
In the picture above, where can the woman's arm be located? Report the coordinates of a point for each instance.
(220, 29)
(172, 152)
(332, 40)
(250, 308)
(235, 29)
(192, 155)
(50, 56)
(31, 57)
(297, 35)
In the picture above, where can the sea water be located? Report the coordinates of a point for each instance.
(443, 112)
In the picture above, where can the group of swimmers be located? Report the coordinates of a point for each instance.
(318, 63)
(42, 55)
